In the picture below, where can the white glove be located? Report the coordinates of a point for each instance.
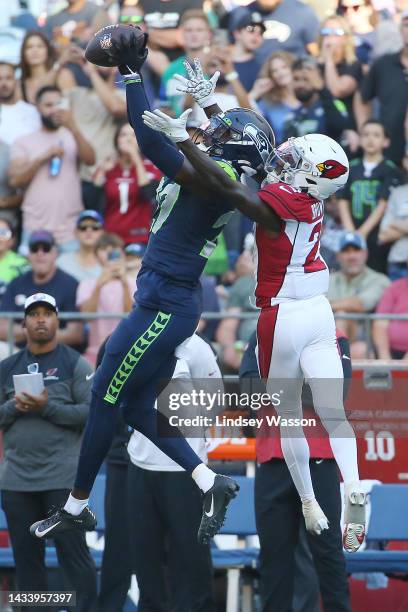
(201, 89)
(175, 129)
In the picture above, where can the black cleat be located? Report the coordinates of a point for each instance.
(61, 520)
(215, 505)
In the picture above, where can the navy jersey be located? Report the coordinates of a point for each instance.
(183, 235)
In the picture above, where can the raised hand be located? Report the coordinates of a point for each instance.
(200, 88)
(175, 129)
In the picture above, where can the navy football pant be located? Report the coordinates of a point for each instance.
(138, 355)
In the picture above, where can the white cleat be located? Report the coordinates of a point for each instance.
(354, 517)
(315, 519)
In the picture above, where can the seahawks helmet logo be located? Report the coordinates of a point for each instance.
(106, 42)
(259, 139)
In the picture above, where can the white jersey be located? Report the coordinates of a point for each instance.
(195, 361)
(290, 266)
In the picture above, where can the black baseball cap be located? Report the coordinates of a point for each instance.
(248, 19)
(41, 237)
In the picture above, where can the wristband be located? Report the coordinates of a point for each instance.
(132, 78)
(231, 76)
(207, 102)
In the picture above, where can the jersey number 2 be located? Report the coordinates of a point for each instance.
(313, 262)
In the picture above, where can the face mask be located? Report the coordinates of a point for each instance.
(48, 123)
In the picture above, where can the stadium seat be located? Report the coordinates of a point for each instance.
(388, 522)
(240, 522)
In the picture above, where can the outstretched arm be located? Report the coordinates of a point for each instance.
(218, 183)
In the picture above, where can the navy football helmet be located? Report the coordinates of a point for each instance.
(240, 136)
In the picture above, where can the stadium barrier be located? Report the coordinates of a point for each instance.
(365, 318)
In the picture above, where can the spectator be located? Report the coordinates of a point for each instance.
(45, 164)
(44, 277)
(17, 117)
(332, 233)
(41, 436)
(79, 20)
(307, 564)
(133, 260)
(10, 198)
(232, 334)
(82, 264)
(159, 492)
(394, 230)
(318, 111)
(164, 20)
(363, 201)
(130, 183)
(248, 37)
(391, 337)
(38, 65)
(96, 105)
(290, 25)
(156, 61)
(354, 288)
(11, 263)
(196, 37)
(360, 16)
(341, 69)
(111, 292)
(229, 92)
(386, 81)
(274, 91)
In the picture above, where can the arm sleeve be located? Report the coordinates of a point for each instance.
(153, 145)
(73, 415)
(368, 86)
(386, 304)
(335, 111)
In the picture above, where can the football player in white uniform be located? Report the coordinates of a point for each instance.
(296, 329)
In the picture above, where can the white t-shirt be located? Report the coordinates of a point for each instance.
(195, 361)
(18, 120)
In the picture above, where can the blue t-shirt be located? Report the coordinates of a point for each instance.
(248, 71)
(276, 114)
(291, 26)
(62, 287)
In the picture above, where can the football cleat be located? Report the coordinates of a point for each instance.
(354, 517)
(61, 520)
(315, 519)
(215, 504)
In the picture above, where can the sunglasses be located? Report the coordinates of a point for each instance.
(332, 32)
(40, 246)
(131, 19)
(94, 228)
(5, 233)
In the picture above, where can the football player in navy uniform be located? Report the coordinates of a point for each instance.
(142, 350)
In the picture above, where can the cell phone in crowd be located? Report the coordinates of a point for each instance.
(114, 255)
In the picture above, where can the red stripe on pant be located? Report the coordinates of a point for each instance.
(265, 333)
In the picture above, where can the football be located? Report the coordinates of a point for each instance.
(103, 48)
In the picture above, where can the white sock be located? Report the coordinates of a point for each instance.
(203, 477)
(75, 506)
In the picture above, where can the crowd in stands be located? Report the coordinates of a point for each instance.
(77, 198)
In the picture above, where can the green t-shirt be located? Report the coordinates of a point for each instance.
(12, 265)
(170, 84)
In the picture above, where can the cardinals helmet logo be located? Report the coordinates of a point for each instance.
(331, 169)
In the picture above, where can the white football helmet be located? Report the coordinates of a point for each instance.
(314, 163)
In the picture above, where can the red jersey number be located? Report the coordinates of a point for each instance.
(313, 261)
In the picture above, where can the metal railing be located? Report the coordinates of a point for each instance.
(365, 318)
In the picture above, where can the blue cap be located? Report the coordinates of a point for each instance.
(90, 214)
(136, 248)
(41, 236)
(352, 239)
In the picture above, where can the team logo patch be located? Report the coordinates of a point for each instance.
(331, 169)
(106, 42)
